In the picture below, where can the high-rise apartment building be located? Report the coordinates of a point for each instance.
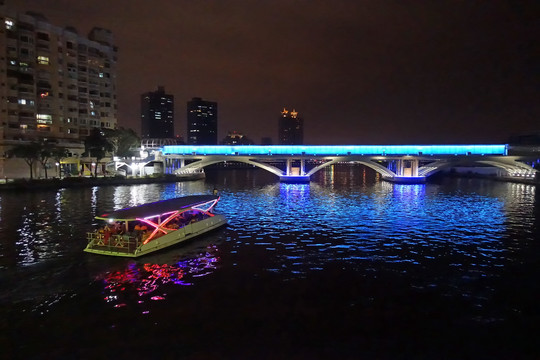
(236, 138)
(54, 83)
(291, 128)
(202, 122)
(157, 114)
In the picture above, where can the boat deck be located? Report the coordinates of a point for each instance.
(119, 244)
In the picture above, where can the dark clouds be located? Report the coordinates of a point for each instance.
(357, 71)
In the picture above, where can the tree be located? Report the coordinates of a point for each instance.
(129, 143)
(45, 153)
(29, 152)
(97, 145)
(125, 142)
(59, 153)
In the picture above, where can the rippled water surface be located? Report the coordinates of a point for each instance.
(345, 267)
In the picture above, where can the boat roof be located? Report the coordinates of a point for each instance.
(157, 208)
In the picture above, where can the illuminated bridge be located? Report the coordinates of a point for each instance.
(396, 163)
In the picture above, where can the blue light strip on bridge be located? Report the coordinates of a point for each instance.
(335, 150)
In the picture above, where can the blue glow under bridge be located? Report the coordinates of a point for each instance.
(398, 163)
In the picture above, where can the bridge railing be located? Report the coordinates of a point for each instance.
(334, 150)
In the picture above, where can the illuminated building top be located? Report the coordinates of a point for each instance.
(290, 128)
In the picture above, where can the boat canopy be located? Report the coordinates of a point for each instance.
(158, 207)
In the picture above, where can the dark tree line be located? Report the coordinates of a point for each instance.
(39, 152)
(99, 144)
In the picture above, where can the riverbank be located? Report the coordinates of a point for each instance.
(68, 182)
(472, 175)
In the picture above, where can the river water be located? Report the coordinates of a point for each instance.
(347, 267)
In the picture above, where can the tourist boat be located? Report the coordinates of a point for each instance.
(140, 230)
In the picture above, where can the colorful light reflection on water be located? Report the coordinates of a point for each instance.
(344, 261)
(148, 280)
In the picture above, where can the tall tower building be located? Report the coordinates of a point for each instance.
(157, 114)
(291, 128)
(54, 83)
(202, 122)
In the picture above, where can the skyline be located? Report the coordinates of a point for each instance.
(377, 72)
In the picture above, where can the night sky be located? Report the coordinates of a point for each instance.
(358, 72)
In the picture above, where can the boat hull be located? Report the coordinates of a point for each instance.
(183, 234)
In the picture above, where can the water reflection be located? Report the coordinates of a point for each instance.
(346, 175)
(128, 196)
(409, 192)
(149, 278)
(305, 227)
(451, 235)
(37, 227)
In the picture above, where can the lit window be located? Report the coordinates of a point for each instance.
(9, 24)
(44, 119)
(43, 60)
(26, 102)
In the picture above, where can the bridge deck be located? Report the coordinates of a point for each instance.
(334, 150)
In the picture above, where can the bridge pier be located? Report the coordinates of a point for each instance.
(405, 167)
(171, 164)
(406, 172)
(296, 179)
(295, 174)
(290, 170)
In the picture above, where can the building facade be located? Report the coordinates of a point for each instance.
(202, 119)
(290, 128)
(55, 84)
(236, 138)
(157, 114)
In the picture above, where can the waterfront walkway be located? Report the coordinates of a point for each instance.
(68, 182)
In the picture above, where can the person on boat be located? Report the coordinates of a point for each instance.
(144, 235)
(181, 220)
(138, 231)
(119, 228)
(174, 224)
(106, 234)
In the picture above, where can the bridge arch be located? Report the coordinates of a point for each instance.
(509, 164)
(431, 164)
(378, 168)
(209, 160)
